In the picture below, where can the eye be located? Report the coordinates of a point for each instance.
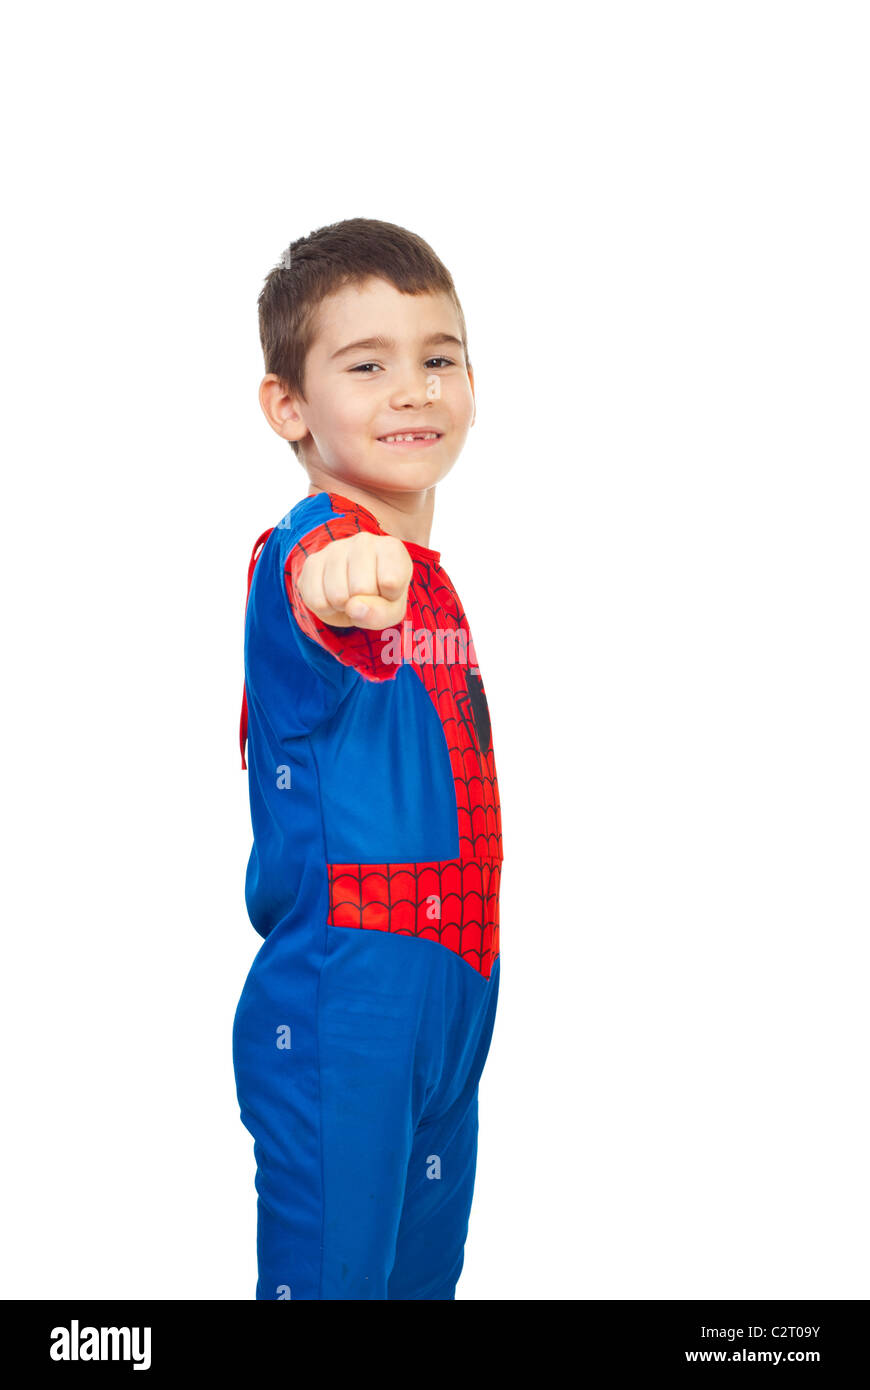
(362, 367)
(448, 360)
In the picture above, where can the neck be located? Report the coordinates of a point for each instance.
(407, 515)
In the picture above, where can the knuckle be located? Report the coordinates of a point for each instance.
(335, 589)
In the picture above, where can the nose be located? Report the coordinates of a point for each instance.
(413, 389)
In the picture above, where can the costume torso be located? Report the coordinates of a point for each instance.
(389, 784)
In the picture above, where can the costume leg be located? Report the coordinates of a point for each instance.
(275, 1062)
(430, 1249)
(324, 1054)
(431, 1244)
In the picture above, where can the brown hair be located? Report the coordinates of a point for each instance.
(316, 265)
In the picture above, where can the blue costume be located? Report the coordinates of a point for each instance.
(366, 1017)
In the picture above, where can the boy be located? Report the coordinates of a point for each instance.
(366, 1017)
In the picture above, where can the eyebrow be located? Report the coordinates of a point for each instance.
(387, 343)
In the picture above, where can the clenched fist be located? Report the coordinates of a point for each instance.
(361, 570)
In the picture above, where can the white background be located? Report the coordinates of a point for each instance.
(657, 220)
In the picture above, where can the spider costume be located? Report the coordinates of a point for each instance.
(366, 1017)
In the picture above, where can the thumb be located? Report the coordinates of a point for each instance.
(374, 612)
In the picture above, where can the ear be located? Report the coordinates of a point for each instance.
(281, 409)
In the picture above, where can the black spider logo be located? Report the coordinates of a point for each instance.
(474, 711)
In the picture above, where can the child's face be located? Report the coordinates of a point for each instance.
(416, 379)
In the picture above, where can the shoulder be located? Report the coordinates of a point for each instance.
(319, 519)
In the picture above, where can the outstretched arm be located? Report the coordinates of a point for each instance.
(346, 592)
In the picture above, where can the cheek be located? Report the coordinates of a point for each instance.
(460, 401)
(351, 411)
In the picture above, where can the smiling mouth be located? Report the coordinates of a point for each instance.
(413, 438)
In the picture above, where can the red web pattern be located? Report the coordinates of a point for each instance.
(398, 897)
(454, 902)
